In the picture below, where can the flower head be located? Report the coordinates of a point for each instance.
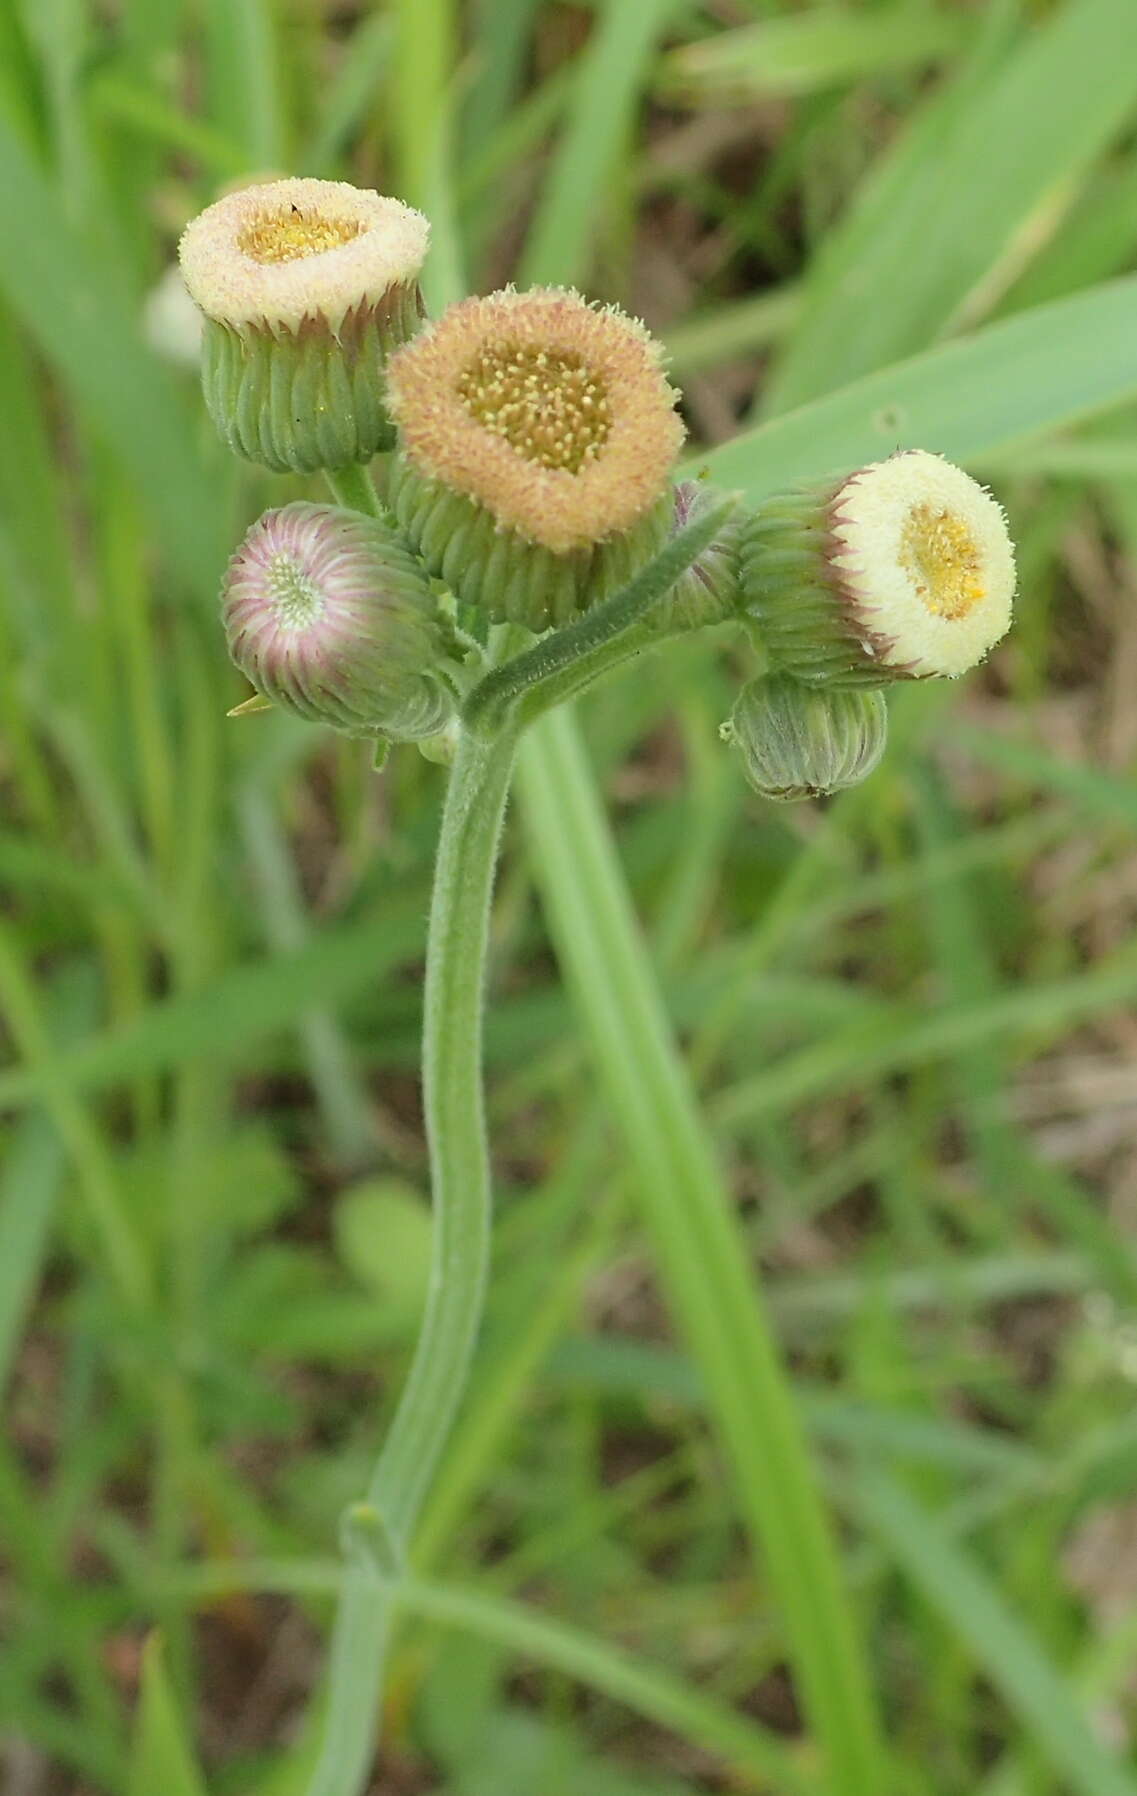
(552, 414)
(285, 252)
(327, 614)
(902, 570)
(924, 555)
(306, 287)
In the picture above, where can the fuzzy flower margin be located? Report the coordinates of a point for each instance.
(552, 414)
(925, 557)
(284, 252)
(306, 287)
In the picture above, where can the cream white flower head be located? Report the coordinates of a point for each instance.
(286, 251)
(551, 413)
(923, 557)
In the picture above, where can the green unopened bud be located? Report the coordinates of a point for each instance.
(329, 616)
(537, 438)
(902, 570)
(307, 288)
(709, 591)
(805, 741)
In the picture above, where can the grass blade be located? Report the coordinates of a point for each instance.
(702, 1257)
(937, 233)
(610, 79)
(747, 1749)
(239, 1008)
(161, 1758)
(955, 1586)
(806, 52)
(75, 317)
(1036, 372)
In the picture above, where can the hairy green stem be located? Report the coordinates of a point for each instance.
(564, 663)
(353, 487)
(708, 1268)
(378, 1531)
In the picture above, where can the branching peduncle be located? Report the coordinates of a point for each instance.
(565, 662)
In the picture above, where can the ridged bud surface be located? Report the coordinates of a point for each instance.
(800, 741)
(328, 615)
(537, 437)
(307, 289)
(498, 571)
(710, 591)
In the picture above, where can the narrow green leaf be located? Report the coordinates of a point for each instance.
(422, 109)
(1094, 790)
(348, 101)
(33, 1173)
(968, 400)
(161, 1760)
(746, 1747)
(828, 46)
(1006, 1650)
(246, 1003)
(76, 318)
(243, 79)
(711, 337)
(701, 1254)
(873, 1046)
(610, 79)
(940, 232)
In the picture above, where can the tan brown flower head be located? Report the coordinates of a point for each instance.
(286, 251)
(552, 414)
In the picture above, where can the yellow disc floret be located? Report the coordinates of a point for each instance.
(548, 404)
(943, 561)
(922, 563)
(290, 234)
(284, 254)
(551, 414)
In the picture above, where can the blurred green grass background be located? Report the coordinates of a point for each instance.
(909, 1014)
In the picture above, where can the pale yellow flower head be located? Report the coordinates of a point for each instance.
(923, 557)
(284, 252)
(552, 414)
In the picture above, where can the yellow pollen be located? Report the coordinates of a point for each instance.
(548, 404)
(939, 553)
(292, 235)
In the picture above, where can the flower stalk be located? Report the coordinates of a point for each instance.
(378, 1534)
(379, 1531)
(565, 663)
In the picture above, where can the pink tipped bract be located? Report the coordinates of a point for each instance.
(327, 614)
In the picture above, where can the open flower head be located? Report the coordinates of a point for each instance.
(537, 437)
(306, 287)
(903, 570)
(287, 252)
(328, 615)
